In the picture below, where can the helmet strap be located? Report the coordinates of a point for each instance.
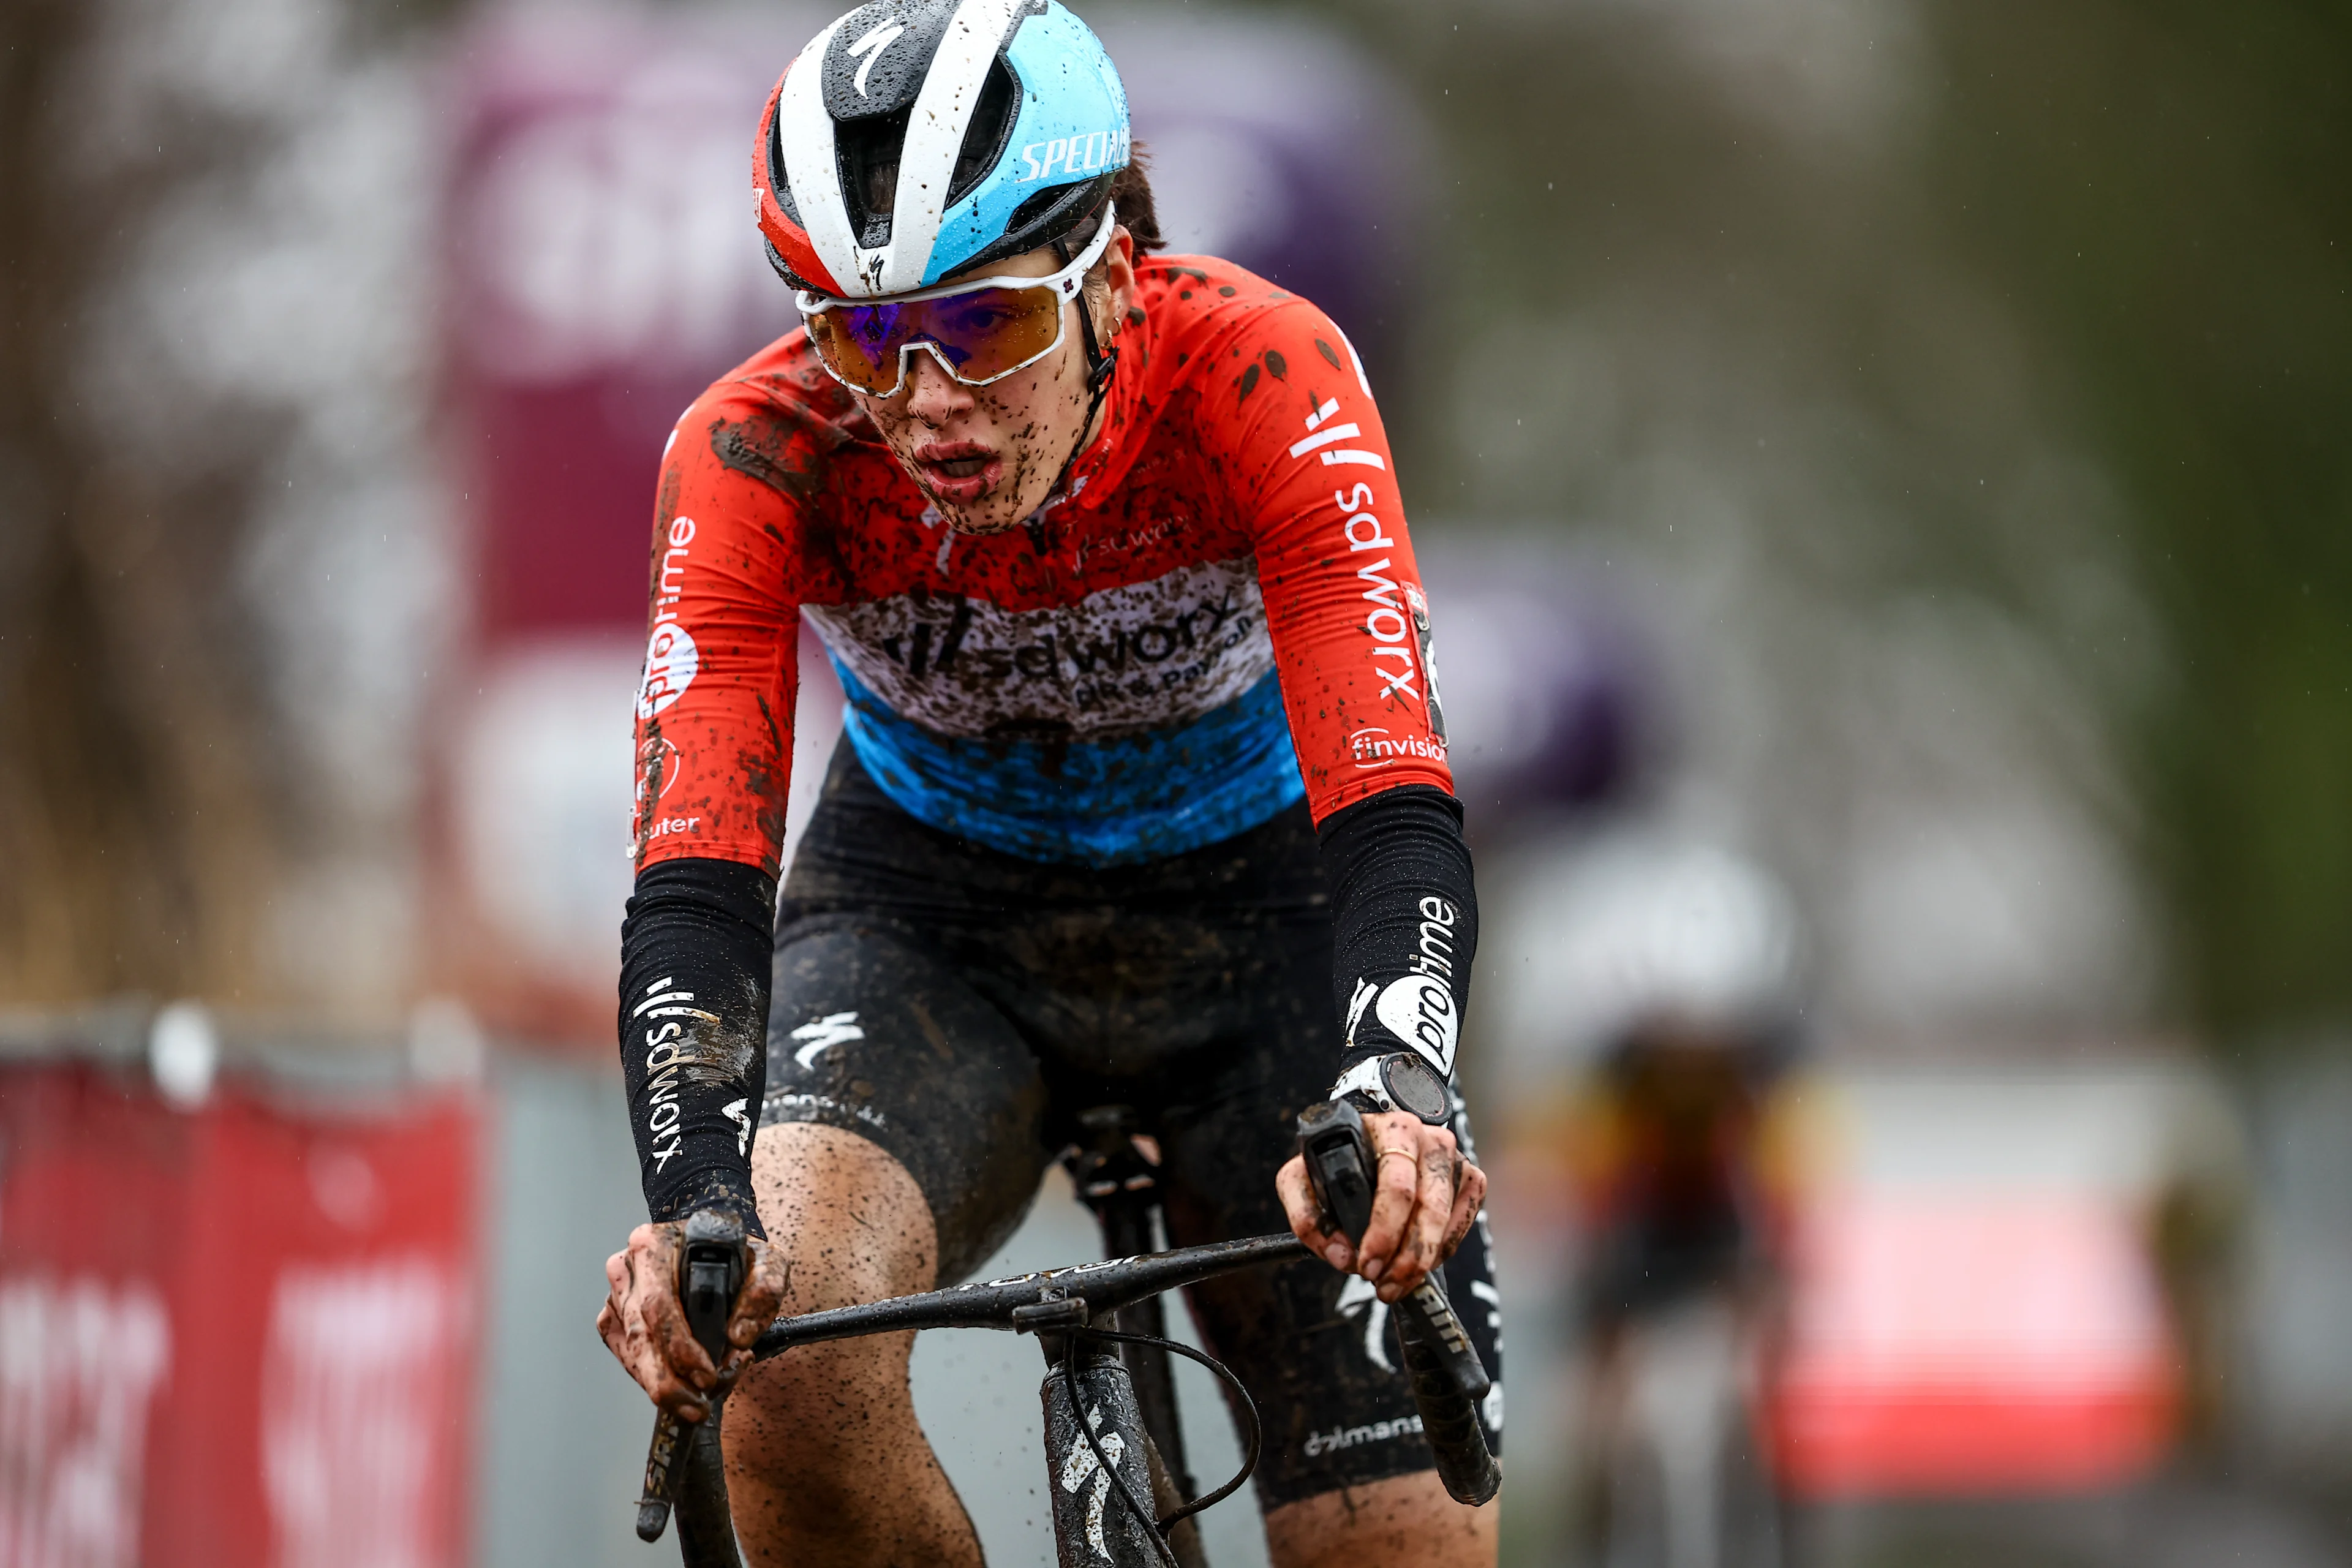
(1100, 362)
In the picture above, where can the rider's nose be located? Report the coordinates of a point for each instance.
(933, 395)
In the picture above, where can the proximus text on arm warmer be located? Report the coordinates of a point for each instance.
(1404, 923)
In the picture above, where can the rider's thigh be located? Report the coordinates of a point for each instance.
(853, 1226)
(874, 1032)
(1403, 1520)
(849, 1219)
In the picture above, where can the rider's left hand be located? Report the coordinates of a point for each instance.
(643, 1325)
(1424, 1196)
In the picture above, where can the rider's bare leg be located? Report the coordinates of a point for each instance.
(825, 1463)
(1403, 1520)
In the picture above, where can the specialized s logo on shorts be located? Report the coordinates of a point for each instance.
(821, 1034)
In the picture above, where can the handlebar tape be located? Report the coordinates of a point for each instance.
(684, 1464)
(1447, 1378)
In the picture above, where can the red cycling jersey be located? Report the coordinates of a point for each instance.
(1110, 681)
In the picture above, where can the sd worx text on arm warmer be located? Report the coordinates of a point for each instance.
(695, 954)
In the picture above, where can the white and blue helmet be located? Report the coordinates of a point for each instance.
(913, 138)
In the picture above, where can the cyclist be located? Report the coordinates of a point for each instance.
(1142, 796)
(1656, 1034)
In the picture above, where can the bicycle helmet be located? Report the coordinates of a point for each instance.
(913, 138)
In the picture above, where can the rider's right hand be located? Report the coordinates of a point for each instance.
(644, 1323)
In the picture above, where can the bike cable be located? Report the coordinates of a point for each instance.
(1118, 1481)
(1249, 1409)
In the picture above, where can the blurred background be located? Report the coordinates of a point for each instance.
(1882, 471)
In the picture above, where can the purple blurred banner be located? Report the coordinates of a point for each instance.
(602, 269)
(604, 266)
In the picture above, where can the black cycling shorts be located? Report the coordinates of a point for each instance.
(960, 1007)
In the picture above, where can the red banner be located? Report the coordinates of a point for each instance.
(238, 1335)
(1962, 1346)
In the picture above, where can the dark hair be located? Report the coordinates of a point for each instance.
(1131, 192)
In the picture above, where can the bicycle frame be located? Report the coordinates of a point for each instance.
(1113, 1179)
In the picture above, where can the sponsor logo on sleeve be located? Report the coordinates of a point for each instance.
(671, 657)
(1396, 617)
(1377, 746)
(1419, 1010)
(671, 662)
(1324, 443)
(669, 1046)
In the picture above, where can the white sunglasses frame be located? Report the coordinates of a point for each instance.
(1066, 284)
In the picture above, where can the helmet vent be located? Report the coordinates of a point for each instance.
(990, 129)
(869, 152)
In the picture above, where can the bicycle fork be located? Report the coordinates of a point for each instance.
(1093, 1524)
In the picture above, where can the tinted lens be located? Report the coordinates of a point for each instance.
(980, 336)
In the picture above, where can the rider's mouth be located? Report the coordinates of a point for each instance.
(959, 471)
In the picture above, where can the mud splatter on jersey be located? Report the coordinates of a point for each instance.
(1223, 616)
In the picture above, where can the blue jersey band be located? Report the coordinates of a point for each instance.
(1118, 802)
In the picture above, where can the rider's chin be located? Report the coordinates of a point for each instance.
(978, 521)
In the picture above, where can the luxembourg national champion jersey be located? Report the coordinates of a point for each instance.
(1221, 615)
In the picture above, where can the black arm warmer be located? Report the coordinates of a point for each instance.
(695, 956)
(1404, 922)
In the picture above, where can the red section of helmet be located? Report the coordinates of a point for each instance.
(791, 240)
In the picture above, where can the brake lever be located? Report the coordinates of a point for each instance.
(1340, 1165)
(714, 1259)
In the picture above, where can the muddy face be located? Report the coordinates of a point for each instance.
(987, 455)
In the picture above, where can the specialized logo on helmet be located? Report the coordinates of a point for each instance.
(913, 139)
(871, 46)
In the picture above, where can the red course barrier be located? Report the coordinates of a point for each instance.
(241, 1334)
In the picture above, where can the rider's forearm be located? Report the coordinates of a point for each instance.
(695, 955)
(1405, 917)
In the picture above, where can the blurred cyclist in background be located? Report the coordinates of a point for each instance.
(1654, 1024)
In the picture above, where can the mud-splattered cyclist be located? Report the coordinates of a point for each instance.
(1142, 796)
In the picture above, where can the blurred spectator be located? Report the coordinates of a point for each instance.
(1648, 1027)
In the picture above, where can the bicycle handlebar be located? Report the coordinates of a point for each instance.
(1056, 1299)
(683, 1468)
(1448, 1379)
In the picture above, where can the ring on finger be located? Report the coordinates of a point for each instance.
(1405, 1153)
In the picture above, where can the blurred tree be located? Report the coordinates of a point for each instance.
(134, 795)
(2035, 319)
(2167, 191)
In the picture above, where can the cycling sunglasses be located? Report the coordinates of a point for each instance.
(979, 331)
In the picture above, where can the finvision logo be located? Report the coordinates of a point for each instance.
(1378, 748)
